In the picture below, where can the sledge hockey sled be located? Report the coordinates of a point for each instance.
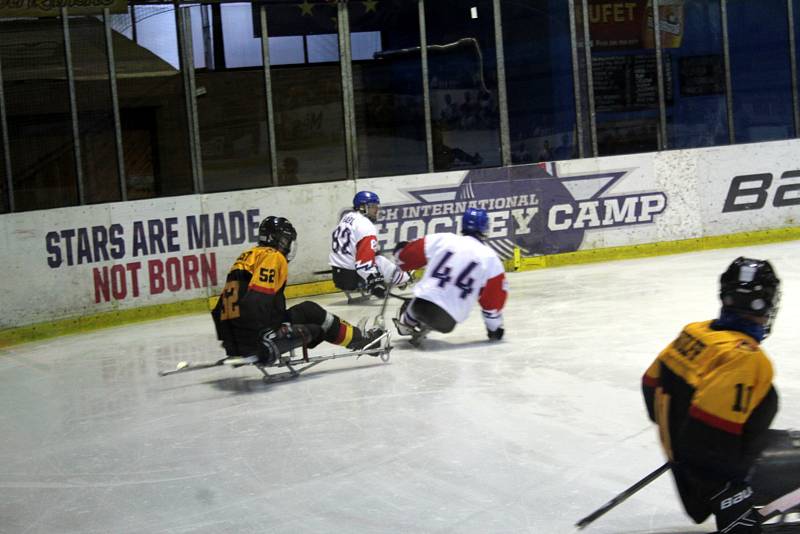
(296, 360)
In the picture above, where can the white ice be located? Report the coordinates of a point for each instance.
(526, 435)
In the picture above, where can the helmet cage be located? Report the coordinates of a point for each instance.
(370, 211)
(776, 300)
(278, 233)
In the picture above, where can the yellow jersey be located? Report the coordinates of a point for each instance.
(252, 299)
(710, 390)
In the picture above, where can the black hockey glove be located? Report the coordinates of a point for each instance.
(495, 335)
(376, 285)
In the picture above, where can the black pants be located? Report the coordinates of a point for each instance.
(777, 470)
(313, 316)
(239, 341)
(774, 473)
(347, 279)
(432, 315)
(696, 490)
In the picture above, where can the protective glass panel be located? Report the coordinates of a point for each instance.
(286, 50)
(242, 44)
(95, 114)
(4, 204)
(38, 110)
(387, 86)
(307, 98)
(624, 74)
(322, 48)
(463, 84)
(698, 114)
(541, 99)
(155, 130)
(231, 101)
(759, 48)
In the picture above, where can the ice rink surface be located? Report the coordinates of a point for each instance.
(527, 435)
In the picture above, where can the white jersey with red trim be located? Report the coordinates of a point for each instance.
(354, 243)
(460, 271)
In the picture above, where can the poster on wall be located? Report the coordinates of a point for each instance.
(626, 25)
(90, 259)
(629, 82)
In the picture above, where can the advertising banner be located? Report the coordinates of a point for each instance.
(532, 207)
(749, 187)
(83, 260)
(629, 25)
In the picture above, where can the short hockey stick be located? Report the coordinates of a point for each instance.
(619, 499)
(379, 320)
(327, 271)
(183, 367)
(781, 505)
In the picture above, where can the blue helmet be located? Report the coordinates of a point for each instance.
(362, 202)
(474, 222)
(364, 198)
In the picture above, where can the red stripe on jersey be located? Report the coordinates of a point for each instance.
(412, 256)
(493, 295)
(716, 422)
(261, 289)
(365, 250)
(649, 381)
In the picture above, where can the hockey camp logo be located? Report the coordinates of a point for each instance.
(529, 207)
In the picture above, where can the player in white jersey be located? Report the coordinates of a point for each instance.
(354, 245)
(461, 270)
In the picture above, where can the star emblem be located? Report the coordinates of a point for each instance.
(370, 5)
(306, 8)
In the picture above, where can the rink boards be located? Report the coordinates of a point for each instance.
(145, 257)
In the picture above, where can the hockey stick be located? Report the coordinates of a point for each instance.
(468, 42)
(183, 367)
(781, 505)
(328, 271)
(619, 499)
(379, 320)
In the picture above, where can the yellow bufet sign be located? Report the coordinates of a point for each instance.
(52, 8)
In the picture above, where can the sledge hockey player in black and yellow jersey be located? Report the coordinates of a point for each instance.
(710, 392)
(251, 317)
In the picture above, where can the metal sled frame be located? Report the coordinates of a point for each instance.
(417, 334)
(297, 363)
(295, 360)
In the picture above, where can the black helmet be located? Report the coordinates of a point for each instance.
(278, 233)
(750, 287)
